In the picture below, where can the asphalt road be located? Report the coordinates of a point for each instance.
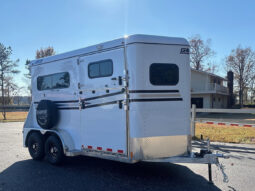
(19, 172)
(227, 117)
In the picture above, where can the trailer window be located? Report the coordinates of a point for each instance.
(164, 74)
(53, 81)
(100, 69)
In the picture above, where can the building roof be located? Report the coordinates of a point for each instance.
(113, 44)
(208, 73)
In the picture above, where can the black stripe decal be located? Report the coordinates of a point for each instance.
(115, 102)
(105, 95)
(153, 91)
(88, 106)
(66, 105)
(134, 100)
(68, 108)
(66, 101)
(101, 104)
(158, 99)
(90, 98)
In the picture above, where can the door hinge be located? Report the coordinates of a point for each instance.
(125, 78)
(80, 103)
(126, 104)
(125, 72)
(125, 81)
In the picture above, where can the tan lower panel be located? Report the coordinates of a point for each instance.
(159, 147)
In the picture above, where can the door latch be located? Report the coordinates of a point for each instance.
(122, 81)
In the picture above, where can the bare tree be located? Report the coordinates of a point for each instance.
(242, 62)
(10, 88)
(212, 68)
(200, 51)
(16, 94)
(7, 67)
(27, 75)
(44, 52)
(28, 78)
(252, 90)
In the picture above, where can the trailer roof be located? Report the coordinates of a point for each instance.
(150, 39)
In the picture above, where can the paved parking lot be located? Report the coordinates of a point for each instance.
(19, 172)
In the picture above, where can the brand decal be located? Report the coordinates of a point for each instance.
(184, 51)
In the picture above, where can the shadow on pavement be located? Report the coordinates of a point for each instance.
(85, 173)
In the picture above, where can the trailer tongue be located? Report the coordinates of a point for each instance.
(205, 156)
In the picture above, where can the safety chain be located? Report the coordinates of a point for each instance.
(222, 168)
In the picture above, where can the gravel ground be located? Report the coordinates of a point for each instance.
(19, 172)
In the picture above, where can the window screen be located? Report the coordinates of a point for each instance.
(100, 69)
(164, 74)
(53, 81)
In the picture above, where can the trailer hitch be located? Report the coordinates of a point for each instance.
(220, 166)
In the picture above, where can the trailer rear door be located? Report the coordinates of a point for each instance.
(103, 118)
(159, 99)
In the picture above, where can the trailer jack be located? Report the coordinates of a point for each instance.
(220, 166)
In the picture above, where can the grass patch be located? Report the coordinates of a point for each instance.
(227, 134)
(17, 116)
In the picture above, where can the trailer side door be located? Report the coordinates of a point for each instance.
(103, 118)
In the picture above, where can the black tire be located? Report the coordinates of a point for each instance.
(54, 150)
(47, 114)
(36, 146)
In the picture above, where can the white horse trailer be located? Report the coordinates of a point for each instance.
(126, 100)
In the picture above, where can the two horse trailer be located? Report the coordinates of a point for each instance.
(126, 100)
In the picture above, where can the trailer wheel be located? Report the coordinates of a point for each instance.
(36, 146)
(47, 114)
(54, 150)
